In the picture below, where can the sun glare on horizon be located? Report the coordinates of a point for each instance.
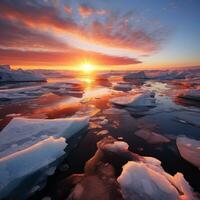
(87, 67)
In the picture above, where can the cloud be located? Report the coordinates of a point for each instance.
(69, 58)
(36, 25)
(68, 10)
(86, 11)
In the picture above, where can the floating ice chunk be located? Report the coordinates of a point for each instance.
(192, 94)
(9, 75)
(103, 132)
(147, 180)
(104, 122)
(116, 146)
(22, 130)
(151, 137)
(21, 93)
(189, 149)
(138, 100)
(15, 167)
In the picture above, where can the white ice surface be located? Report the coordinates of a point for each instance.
(23, 132)
(148, 181)
(16, 166)
(143, 99)
(117, 146)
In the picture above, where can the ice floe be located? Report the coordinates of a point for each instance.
(144, 99)
(9, 75)
(102, 132)
(189, 149)
(29, 146)
(148, 180)
(151, 137)
(17, 166)
(25, 132)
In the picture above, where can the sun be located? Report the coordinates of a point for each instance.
(87, 67)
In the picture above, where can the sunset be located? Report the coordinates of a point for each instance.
(99, 100)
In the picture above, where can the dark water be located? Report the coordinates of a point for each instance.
(161, 119)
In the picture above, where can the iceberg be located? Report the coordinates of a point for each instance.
(9, 75)
(151, 137)
(189, 149)
(144, 99)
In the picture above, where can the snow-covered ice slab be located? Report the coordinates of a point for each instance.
(189, 149)
(23, 132)
(192, 94)
(144, 99)
(21, 93)
(31, 149)
(147, 180)
(16, 167)
(151, 137)
(9, 75)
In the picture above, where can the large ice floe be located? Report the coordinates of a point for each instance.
(191, 94)
(189, 149)
(141, 177)
(9, 75)
(147, 180)
(143, 99)
(69, 88)
(31, 149)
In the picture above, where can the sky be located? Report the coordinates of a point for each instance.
(108, 34)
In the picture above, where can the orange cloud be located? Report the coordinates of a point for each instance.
(68, 10)
(114, 32)
(69, 58)
(86, 11)
(35, 29)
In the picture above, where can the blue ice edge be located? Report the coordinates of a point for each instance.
(53, 149)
